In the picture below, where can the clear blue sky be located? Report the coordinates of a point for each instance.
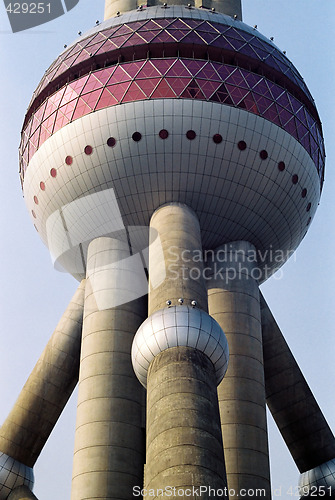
(33, 295)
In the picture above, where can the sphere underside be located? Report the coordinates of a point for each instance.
(237, 187)
(103, 147)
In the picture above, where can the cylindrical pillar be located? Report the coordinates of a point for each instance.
(231, 8)
(180, 352)
(113, 7)
(295, 410)
(47, 390)
(175, 258)
(233, 300)
(109, 441)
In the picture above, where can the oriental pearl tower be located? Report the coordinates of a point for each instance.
(172, 160)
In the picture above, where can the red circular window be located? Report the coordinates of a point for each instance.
(42, 186)
(35, 200)
(88, 150)
(53, 172)
(295, 179)
(69, 160)
(281, 166)
(136, 136)
(242, 145)
(190, 134)
(111, 142)
(163, 134)
(33, 214)
(263, 154)
(309, 206)
(217, 138)
(304, 193)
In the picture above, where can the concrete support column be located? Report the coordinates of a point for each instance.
(47, 390)
(109, 440)
(112, 7)
(295, 410)
(180, 353)
(233, 300)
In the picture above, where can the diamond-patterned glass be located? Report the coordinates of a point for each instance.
(171, 78)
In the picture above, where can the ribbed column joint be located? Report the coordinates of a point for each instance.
(179, 326)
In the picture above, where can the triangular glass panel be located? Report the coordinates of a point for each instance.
(124, 29)
(69, 95)
(236, 79)
(164, 37)
(119, 90)
(148, 85)
(178, 84)
(193, 91)
(237, 94)
(92, 98)
(222, 96)
(119, 75)
(106, 100)
(180, 25)
(48, 124)
(82, 109)
(250, 104)
(148, 71)
(208, 87)
(68, 109)
(163, 65)
(194, 66)
(120, 40)
(147, 35)
(104, 75)
(176, 34)
(134, 93)
(178, 69)
(135, 39)
(133, 68)
(192, 37)
(271, 114)
(208, 73)
(60, 122)
(163, 90)
(92, 84)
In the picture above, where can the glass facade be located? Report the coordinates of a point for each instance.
(173, 78)
(166, 33)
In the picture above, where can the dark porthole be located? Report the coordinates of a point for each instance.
(281, 166)
(69, 160)
(309, 206)
(53, 172)
(304, 193)
(111, 142)
(42, 186)
(217, 138)
(190, 134)
(309, 221)
(242, 145)
(163, 134)
(88, 150)
(295, 179)
(263, 154)
(136, 136)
